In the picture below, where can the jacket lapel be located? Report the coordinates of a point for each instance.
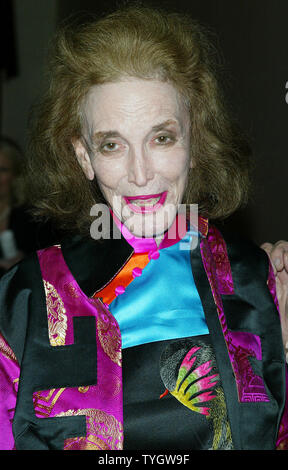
(217, 339)
(93, 263)
(232, 309)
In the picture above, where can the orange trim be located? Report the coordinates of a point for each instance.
(203, 225)
(124, 277)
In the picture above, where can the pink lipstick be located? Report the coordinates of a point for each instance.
(146, 203)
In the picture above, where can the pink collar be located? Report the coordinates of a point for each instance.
(148, 245)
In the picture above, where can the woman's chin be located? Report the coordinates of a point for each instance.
(150, 225)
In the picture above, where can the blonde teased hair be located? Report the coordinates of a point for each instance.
(140, 42)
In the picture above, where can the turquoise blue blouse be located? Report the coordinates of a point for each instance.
(163, 303)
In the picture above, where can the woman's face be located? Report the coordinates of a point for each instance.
(6, 176)
(138, 133)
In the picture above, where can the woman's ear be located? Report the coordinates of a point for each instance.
(83, 158)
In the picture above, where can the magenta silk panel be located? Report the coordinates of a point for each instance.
(241, 345)
(100, 403)
(10, 372)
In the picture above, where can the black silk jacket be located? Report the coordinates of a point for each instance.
(250, 308)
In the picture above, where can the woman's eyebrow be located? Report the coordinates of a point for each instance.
(100, 135)
(163, 125)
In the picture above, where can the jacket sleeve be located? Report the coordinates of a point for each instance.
(9, 377)
(13, 306)
(282, 438)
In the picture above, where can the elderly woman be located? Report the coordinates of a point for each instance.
(133, 341)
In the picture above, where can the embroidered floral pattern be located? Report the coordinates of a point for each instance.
(6, 350)
(223, 270)
(196, 384)
(109, 336)
(193, 383)
(102, 429)
(44, 401)
(104, 432)
(70, 290)
(271, 282)
(242, 346)
(56, 313)
(210, 268)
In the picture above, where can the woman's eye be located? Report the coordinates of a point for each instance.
(109, 147)
(164, 139)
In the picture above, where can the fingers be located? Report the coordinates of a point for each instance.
(286, 260)
(267, 247)
(278, 254)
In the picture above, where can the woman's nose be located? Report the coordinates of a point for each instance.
(140, 170)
